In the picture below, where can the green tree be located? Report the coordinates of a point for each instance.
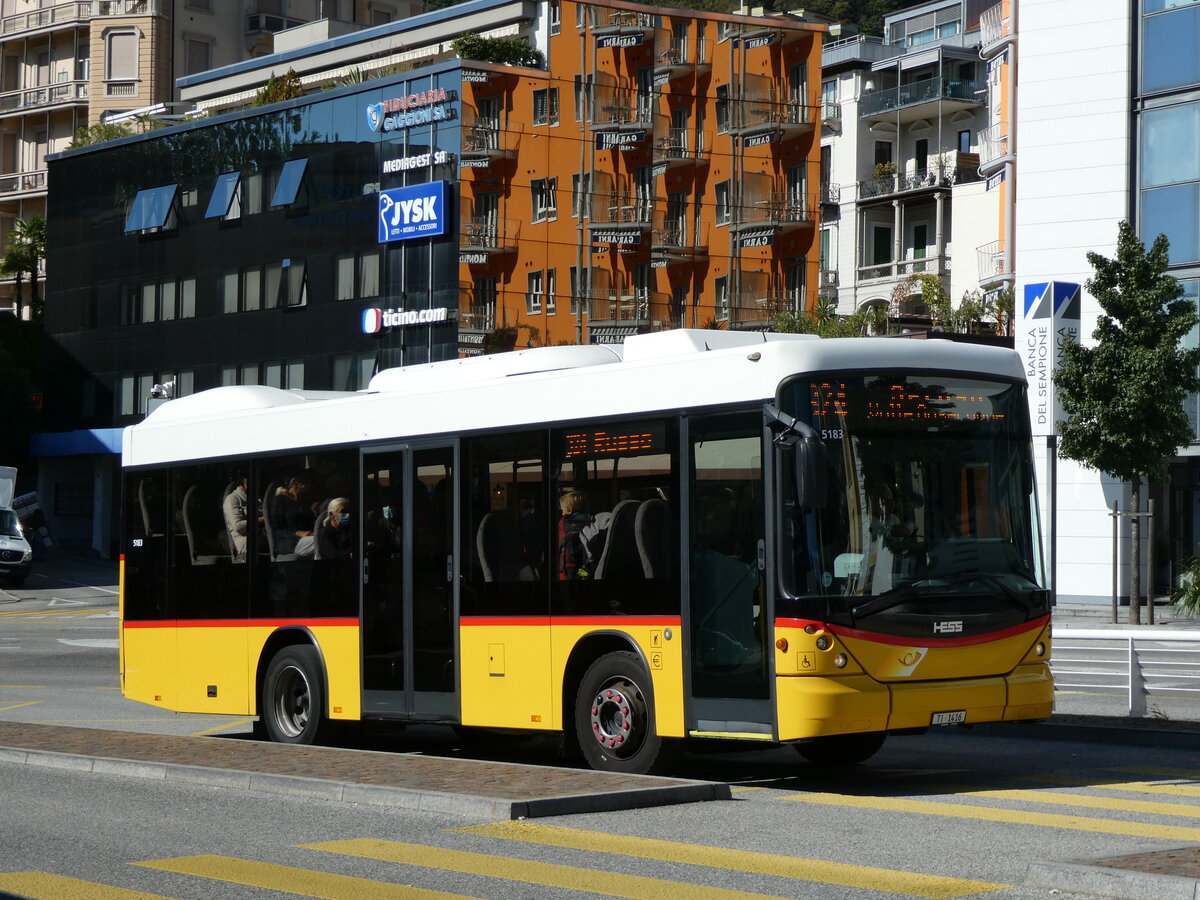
(24, 254)
(823, 321)
(101, 131)
(15, 262)
(278, 88)
(511, 51)
(1124, 396)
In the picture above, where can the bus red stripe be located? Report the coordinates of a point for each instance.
(240, 623)
(932, 640)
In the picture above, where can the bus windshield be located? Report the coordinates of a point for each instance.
(929, 503)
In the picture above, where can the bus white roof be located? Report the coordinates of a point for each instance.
(653, 373)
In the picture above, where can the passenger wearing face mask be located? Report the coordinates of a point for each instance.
(335, 536)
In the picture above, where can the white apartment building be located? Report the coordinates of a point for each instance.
(69, 65)
(904, 120)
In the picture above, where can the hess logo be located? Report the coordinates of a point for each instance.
(947, 627)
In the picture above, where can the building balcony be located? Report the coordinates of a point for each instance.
(44, 97)
(623, 306)
(861, 49)
(995, 30)
(265, 23)
(485, 142)
(674, 61)
(474, 314)
(483, 236)
(899, 270)
(993, 148)
(760, 119)
(675, 149)
(934, 178)
(993, 265)
(776, 212)
(753, 310)
(621, 28)
(620, 212)
(830, 194)
(18, 185)
(127, 7)
(828, 282)
(673, 241)
(831, 116)
(52, 17)
(623, 117)
(911, 99)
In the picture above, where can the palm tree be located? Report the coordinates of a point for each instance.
(27, 244)
(15, 262)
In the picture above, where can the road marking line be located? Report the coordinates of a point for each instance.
(815, 870)
(88, 586)
(219, 728)
(22, 686)
(1138, 787)
(1089, 801)
(44, 886)
(1009, 816)
(614, 884)
(46, 613)
(92, 643)
(55, 601)
(19, 705)
(292, 880)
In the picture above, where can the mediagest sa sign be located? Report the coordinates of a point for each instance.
(416, 211)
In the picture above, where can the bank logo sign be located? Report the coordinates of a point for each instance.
(1050, 320)
(420, 108)
(416, 211)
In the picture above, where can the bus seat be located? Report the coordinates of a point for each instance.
(192, 519)
(620, 557)
(269, 526)
(652, 531)
(496, 544)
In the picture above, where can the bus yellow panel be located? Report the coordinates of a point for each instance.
(212, 666)
(1030, 693)
(151, 673)
(505, 673)
(337, 642)
(913, 705)
(814, 707)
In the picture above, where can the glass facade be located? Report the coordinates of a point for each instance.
(270, 217)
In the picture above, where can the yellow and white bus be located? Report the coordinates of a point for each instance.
(696, 534)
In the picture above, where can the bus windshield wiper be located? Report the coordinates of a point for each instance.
(888, 599)
(899, 595)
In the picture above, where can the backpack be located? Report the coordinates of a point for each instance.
(574, 560)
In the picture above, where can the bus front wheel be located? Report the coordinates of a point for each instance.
(293, 696)
(842, 749)
(614, 718)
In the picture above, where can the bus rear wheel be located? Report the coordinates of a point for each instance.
(293, 696)
(842, 749)
(614, 718)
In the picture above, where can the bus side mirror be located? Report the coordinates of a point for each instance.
(810, 472)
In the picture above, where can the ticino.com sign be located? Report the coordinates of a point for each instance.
(375, 320)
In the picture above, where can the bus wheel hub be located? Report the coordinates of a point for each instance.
(613, 717)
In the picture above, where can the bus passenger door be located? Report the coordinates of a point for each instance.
(727, 611)
(408, 577)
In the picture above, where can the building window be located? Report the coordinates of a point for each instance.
(581, 187)
(793, 286)
(287, 374)
(724, 210)
(551, 279)
(721, 297)
(198, 55)
(722, 108)
(225, 202)
(290, 187)
(883, 152)
(555, 7)
(121, 55)
(134, 390)
(580, 279)
(545, 199)
(964, 141)
(533, 296)
(545, 106)
(153, 210)
(583, 89)
(293, 284)
(353, 371)
(1171, 47)
(357, 275)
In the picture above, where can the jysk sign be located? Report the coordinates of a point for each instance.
(416, 211)
(1051, 320)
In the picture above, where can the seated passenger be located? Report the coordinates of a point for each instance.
(291, 522)
(335, 537)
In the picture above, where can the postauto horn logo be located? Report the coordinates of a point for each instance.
(416, 211)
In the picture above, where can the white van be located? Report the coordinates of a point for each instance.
(16, 556)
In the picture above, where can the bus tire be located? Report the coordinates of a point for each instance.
(614, 718)
(842, 749)
(293, 696)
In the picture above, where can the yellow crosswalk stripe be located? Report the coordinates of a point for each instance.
(44, 886)
(19, 705)
(614, 884)
(1139, 787)
(1012, 816)
(1089, 801)
(292, 880)
(816, 870)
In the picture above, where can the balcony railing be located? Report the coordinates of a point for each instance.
(260, 22)
(830, 193)
(620, 305)
(22, 182)
(859, 48)
(629, 210)
(774, 210)
(488, 234)
(477, 318)
(937, 177)
(127, 7)
(993, 25)
(621, 21)
(993, 143)
(760, 113)
(991, 262)
(903, 268)
(930, 90)
(46, 95)
(61, 14)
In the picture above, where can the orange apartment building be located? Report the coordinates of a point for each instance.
(661, 170)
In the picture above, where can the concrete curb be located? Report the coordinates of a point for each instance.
(1100, 881)
(375, 795)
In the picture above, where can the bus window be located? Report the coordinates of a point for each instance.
(205, 583)
(146, 549)
(615, 540)
(506, 525)
(292, 577)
